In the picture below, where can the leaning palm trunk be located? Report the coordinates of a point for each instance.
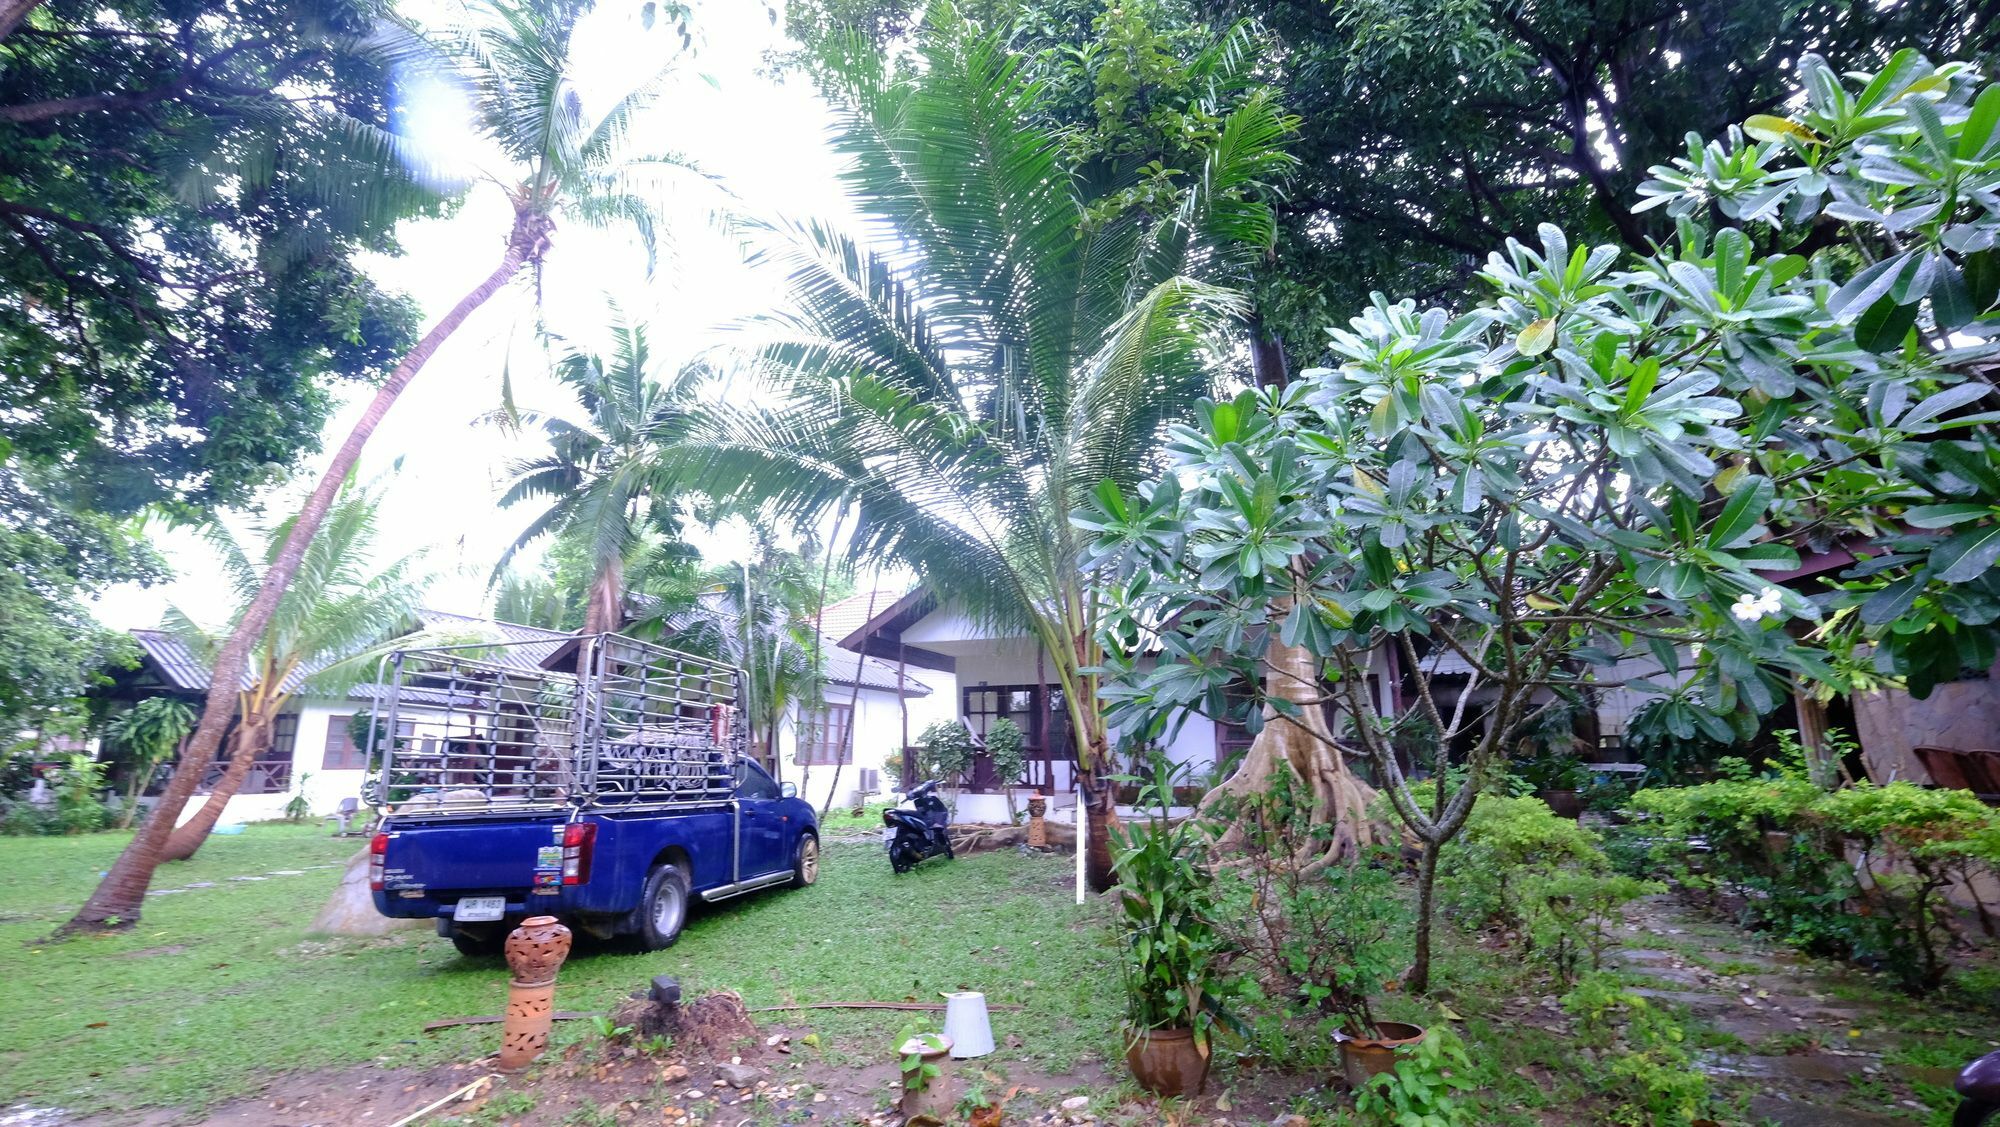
(250, 740)
(118, 897)
(1302, 747)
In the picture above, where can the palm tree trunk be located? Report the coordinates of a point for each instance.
(118, 897)
(252, 737)
(604, 614)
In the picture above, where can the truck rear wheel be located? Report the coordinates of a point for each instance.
(663, 907)
(484, 945)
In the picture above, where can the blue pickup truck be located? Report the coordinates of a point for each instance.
(605, 783)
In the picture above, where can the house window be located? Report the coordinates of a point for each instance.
(341, 754)
(987, 704)
(827, 737)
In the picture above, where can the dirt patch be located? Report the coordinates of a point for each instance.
(153, 952)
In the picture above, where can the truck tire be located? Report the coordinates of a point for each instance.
(805, 861)
(483, 946)
(663, 907)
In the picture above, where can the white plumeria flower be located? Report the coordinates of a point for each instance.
(1764, 604)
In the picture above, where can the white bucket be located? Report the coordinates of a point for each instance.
(966, 1024)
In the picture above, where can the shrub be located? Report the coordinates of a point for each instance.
(1420, 1092)
(1855, 872)
(1649, 1070)
(945, 751)
(1504, 840)
(1546, 878)
(1309, 941)
(1166, 896)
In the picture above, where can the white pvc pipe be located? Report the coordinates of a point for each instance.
(1082, 837)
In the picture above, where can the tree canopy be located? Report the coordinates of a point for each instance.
(183, 191)
(1432, 131)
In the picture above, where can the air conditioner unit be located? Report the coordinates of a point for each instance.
(871, 780)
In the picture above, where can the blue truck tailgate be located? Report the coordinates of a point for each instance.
(450, 857)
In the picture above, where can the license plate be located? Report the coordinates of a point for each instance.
(888, 835)
(475, 909)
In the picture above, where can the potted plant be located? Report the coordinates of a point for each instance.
(1558, 780)
(1323, 934)
(924, 1058)
(1352, 960)
(1171, 945)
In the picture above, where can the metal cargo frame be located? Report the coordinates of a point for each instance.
(482, 728)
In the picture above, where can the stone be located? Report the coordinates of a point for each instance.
(673, 1074)
(739, 1075)
(1076, 1103)
(1291, 1121)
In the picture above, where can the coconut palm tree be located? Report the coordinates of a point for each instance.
(1032, 334)
(322, 640)
(600, 479)
(566, 161)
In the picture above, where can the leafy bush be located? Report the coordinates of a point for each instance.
(1506, 839)
(1420, 1091)
(1546, 878)
(1306, 941)
(76, 807)
(1856, 872)
(945, 751)
(1649, 1069)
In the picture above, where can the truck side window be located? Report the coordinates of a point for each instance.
(752, 782)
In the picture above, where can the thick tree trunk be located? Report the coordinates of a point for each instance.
(605, 614)
(249, 741)
(118, 897)
(12, 12)
(1304, 748)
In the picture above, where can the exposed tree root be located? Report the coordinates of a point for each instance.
(1304, 749)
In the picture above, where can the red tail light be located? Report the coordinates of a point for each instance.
(579, 842)
(377, 851)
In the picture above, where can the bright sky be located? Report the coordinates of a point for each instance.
(764, 141)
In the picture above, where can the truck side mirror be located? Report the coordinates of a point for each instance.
(788, 790)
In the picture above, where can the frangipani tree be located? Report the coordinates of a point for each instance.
(1608, 456)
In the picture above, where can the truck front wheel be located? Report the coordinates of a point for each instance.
(662, 907)
(805, 866)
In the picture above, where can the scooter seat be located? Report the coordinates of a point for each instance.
(1981, 1079)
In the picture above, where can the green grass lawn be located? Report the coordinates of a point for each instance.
(219, 988)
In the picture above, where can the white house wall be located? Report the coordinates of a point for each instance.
(323, 788)
(878, 732)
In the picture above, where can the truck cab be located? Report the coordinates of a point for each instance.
(611, 797)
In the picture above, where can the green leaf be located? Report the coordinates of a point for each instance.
(1944, 516)
(1743, 512)
(1951, 301)
(1537, 338)
(1884, 325)
(1968, 555)
(1979, 124)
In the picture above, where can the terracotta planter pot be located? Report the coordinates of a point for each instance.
(1562, 803)
(932, 1103)
(1365, 1057)
(1168, 1062)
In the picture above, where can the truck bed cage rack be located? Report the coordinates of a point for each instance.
(606, 721)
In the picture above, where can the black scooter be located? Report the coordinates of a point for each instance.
(917, 828)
